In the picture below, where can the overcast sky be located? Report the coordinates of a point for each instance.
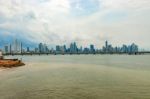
(84, 21)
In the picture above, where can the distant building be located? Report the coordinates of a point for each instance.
(106, 44)
(80, 50)
(1, 54)
(10, 49)
(41, 49)
(92, 49)
(16, 46)
(133, 48)
(36, 50)
(107, 48)
(52, 50)
(46, 49)
(57, 48)
(21, 47)
(28, 49)
(73, 48)
(64, 48)
(124, 49)
(6, 49)
(61, 49)
(86, 50)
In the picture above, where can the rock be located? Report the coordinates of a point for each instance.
(8, 63)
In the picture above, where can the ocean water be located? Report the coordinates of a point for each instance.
(77, 77)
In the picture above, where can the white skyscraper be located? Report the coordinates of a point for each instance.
(16, 46)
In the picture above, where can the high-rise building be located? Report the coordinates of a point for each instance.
(16, 46)
(64, 48)
(10, 50)
(57, 48)
(92, 49)
(41, 48)
(73, 48)
(124, 49)
(36, 50)
(28, 49)
(133, 48)
(86, 50)
(106, 44)
(21, 47)
(46, 49)
(6, 49)
(61, 49)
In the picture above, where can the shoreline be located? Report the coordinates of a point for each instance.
(39, 54)
(9, 63)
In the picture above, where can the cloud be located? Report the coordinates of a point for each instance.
(126, 4)
(85, 21)
(82, 7)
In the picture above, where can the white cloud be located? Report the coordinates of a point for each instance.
(53, 21)
(126, 4)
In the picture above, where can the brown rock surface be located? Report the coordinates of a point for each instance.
(8, 63)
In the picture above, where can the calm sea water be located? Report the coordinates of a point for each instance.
(78, 77)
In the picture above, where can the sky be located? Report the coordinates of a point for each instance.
(57, 22)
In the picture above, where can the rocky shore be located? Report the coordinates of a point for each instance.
(9, 63)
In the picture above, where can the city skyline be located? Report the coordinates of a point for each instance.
(73, 48)
(84, 21)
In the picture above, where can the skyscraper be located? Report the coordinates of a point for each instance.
(106, 44)
(16, 46)
(57, 48)
(73, 48)
(28, 49)
(21, 47)
(124, 49)
(92, 49)
(41, 48)
(6, 49)
(133, 48)
(10, 50)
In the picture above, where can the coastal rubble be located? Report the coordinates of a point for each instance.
(9, 63)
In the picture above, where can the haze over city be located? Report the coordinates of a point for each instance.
(57, 22)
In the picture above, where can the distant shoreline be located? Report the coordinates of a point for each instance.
(24, 54)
